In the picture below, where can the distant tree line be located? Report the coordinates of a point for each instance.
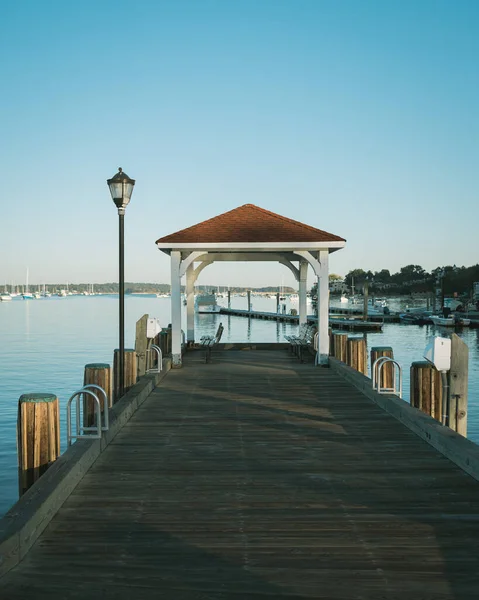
(414, 279)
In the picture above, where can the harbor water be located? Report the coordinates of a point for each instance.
(45, 344)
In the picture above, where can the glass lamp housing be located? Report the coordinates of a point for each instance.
(121, 188)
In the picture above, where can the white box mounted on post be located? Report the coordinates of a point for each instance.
(438, 353)
(153, 327)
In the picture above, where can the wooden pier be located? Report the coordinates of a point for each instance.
(335, 323)
(259, 477)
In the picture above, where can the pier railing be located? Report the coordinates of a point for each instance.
(48, 482)
(447, 403)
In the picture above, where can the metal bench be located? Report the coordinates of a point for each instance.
(302, 340)
(209, 342)
(306, 342)
(292, 338)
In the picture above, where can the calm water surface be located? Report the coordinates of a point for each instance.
(46, 343)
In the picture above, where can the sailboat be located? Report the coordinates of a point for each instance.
(26, 294)
(281, 290)
(5, 296)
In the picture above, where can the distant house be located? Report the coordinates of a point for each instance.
(338, 287)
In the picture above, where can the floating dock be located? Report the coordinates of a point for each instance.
(335, 323)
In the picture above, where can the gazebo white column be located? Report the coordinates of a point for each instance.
(303, 273)
(323, 307)
(175, 308)
(190, 303)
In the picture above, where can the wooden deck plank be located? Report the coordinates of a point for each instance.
(259, 477)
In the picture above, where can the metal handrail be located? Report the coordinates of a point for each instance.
(159, 356)
(376, 376)
(79, 428)
(106, 416)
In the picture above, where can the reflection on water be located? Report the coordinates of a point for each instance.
(47, 342)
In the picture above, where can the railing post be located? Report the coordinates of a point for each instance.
(426, 389)
(387, 371)
(458, 384)
(130, 373)
(38, 437)
(97, 374)
(141, 344)
(357, 358)
(341, 346)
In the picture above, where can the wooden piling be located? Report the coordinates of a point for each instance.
(229, 299)
(141, 344)
(163, 341)
(458, 384)
(98, 374)
(38, 437)
(365, 299)
(387, 371)
(426, 389)
(357, 354)
(130, 371)
(340, 342)
(249, 301)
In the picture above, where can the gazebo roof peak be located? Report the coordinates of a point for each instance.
(248, 224)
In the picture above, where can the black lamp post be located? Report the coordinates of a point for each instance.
(121, 188)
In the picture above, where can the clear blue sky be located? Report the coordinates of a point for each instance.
(357, 117)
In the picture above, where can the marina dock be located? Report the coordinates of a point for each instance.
(337, 322)
(258, 477)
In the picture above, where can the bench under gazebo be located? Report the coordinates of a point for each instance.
(249, 233)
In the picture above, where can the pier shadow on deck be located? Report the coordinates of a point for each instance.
(253, 477)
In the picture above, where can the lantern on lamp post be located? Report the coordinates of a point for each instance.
(121, 188)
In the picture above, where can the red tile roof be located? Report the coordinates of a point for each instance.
(249, 223)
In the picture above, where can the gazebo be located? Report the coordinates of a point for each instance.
(249, 233)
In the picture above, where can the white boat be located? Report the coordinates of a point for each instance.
(44, 293)
(207, 304)
(90, 291)
(5, 297)
(62, 293)
(27, 295)
(450, 321)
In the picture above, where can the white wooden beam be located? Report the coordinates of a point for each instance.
(175, 309)
(323, 307)
(200, 267)
(248, 256)
(303, 274)
(190, 303)
(189, 260)
(287, 263)
(250, 246)
(306, 255)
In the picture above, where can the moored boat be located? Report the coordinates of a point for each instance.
(452, 321)
(207, 304)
